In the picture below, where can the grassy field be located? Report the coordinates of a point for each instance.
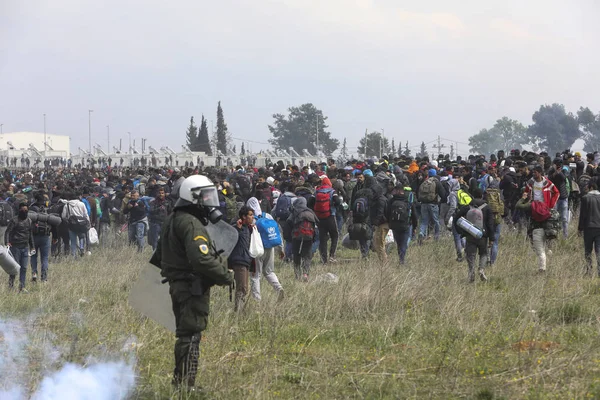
(383, 331)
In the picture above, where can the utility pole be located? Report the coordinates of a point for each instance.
(439, 147)
(1, 125)
(129, 133)
(90, 128)
(45, 136)
(108, 137)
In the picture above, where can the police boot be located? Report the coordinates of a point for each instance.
(187, 353)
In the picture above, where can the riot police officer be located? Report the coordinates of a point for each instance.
(191, 264)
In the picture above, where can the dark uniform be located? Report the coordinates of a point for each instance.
(191, 264)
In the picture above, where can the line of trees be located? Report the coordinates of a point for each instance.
(199, 139)
(553, 130)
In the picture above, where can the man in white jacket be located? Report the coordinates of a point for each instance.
(75, 215)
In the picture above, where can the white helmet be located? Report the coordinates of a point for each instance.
(198, 189)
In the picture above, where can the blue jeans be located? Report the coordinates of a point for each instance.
(21, 255)
(339, 219)
(401, 238)
(562, 206)
(287, 251)
(77, 242)
(42, 249)
(136, 234)
(430, 212)
(494, 250)
(154, 234)
(364, 245)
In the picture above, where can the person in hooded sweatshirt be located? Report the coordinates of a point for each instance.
(474, 245)
(265, 264)
(401, 215)
(324, 205)
(589, 226)
(302, 223)
(368, 190)
(453, 205)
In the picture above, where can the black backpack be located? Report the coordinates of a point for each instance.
(360, 210)
(39, 227)
(6, 213)
(283, 208)
(399, 215)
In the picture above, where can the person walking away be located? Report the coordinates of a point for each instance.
(160, 208)
(378, 219)
(479, 214)
(106, 205)
(325, 202)
(19, 238)
(493, 197)
(239, 259)
(191, 265)
(589, 226)
(41, 239)
(271, 238)
(7, 213)
(302, 224)
(400, 213)
(429, 192)
(138, 220)
(556, 176)
(76, 217)
(457, 198)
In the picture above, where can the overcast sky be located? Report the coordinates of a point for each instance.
(417, 69)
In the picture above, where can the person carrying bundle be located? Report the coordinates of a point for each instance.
(476, 223)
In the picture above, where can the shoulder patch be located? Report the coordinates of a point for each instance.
(200, 237)
(203, 249)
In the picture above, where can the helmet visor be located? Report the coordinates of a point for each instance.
(208, 196)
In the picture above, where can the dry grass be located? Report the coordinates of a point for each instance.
(384, 331)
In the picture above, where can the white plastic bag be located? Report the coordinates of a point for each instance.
(389, 239)
(93, 235)
(450, 221)
(256, 246)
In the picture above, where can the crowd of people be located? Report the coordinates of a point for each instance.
(315, 207)
(293, 213)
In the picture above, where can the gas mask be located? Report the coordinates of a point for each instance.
(214, 215)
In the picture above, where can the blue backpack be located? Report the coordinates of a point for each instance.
(484, 182)
(269, 231)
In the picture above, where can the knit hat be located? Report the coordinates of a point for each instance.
(432, 172)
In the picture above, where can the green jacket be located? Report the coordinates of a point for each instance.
(186, 252)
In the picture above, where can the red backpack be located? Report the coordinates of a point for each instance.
(304, 231)
(323, 200)
(539, 211)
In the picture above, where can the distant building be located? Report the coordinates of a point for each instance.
(31, 144)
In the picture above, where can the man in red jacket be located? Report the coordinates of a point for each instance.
(541, 188)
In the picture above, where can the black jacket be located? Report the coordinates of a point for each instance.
(589, 216)
(159, 209)
(488, 218)
(240, 255)
(137, 212)
(19, 233)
